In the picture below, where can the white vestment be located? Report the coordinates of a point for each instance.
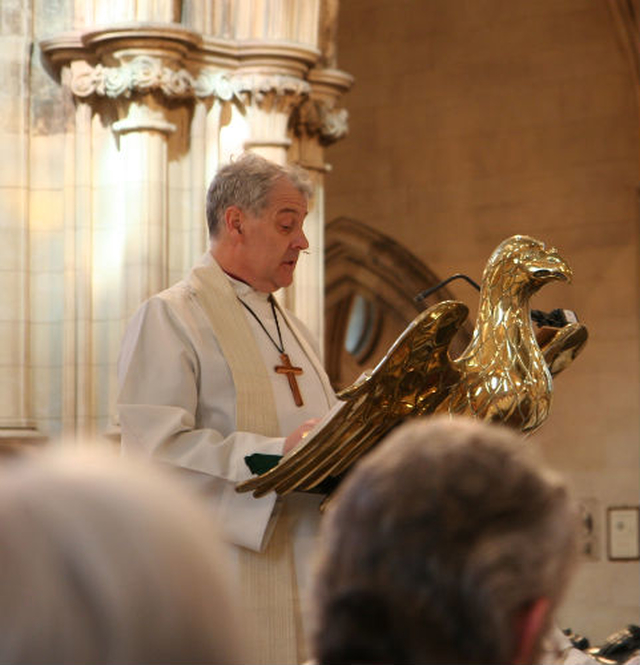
(199, 391)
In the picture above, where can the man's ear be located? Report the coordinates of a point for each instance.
(528, 627)
(233, 221)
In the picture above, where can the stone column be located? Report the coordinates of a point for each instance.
(77, 349)
(141, 185)
(317, 123)
(117, 232)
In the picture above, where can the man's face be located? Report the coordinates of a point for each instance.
(272, 240)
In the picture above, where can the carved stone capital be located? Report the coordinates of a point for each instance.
(129, 58)
(214, 84)
(256, 87)
(143, 74)
(129, 61)
(316, 118)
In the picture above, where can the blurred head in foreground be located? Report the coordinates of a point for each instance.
(102, 562)
(447, 544)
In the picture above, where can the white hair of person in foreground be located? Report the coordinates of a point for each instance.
(105, 561)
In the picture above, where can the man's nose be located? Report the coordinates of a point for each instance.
(301, 241)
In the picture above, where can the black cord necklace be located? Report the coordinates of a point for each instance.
(286, 368)
(270, 298)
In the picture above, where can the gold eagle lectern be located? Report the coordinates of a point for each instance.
(503, 374)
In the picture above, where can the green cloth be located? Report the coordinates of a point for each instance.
(259, 463)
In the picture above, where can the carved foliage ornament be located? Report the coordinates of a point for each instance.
(259, 85)
(317, 118)
(141, 75)
(145, 74)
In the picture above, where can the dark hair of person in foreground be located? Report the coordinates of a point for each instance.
(446, 544)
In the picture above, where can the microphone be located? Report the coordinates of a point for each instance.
(427, 292)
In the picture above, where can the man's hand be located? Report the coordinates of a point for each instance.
(298, 434)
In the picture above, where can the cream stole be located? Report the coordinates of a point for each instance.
(270, 589)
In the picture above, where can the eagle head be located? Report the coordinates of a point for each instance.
(522, 261)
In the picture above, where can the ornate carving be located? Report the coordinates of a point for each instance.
(144, 74)
(318, 118)
(259, 85)
(214, 84)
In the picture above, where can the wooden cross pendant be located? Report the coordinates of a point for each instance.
(291, 371)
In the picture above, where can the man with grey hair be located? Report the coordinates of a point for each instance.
(213, 370)
(447, 544)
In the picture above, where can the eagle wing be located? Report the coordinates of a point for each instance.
(411, 380)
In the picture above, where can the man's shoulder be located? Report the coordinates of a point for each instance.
(175, 293)
(174, 299)
(183, 290)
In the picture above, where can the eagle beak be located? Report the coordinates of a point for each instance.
(552, 267)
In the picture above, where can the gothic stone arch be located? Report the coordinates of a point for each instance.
(371, 281)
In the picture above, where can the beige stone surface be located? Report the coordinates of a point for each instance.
(11, 349)
(10, 402)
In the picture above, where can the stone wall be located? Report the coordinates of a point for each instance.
(473, 121)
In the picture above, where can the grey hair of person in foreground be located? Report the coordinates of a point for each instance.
(246, 182)
(103, 561)
(437, 547)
